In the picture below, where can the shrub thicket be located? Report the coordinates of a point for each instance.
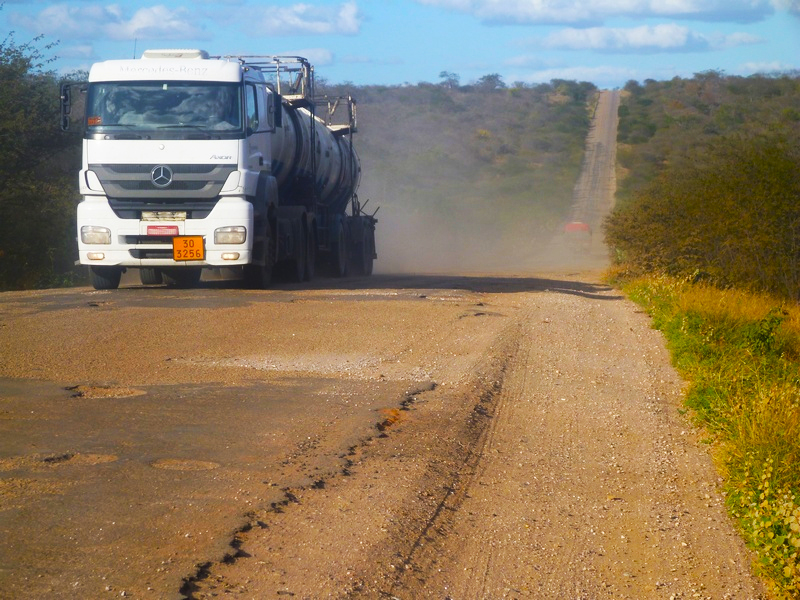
(731, 215)
(38, 167)
(711, 181)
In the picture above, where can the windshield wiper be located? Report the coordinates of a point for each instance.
(181, 126)
(200, 135)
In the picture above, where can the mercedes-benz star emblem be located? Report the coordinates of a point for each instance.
(161, 176)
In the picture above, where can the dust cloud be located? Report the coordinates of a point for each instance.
(410, 242)
(497, 235)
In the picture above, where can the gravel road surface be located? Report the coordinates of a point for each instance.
(462, 437)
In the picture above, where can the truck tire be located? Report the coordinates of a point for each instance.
(296, 266)
(105, 278)
(311, 256)
(369, 251)
(363, 254)
(369, 264)
(150, 276)
(258, 277)
(182, 277)
(338, 256)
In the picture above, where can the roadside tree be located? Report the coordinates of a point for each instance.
(37, 172)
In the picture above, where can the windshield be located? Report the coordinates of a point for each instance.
(148, 105)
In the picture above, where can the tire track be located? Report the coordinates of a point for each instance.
(424, 556)
(590, 483)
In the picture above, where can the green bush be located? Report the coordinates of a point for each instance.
(731, 215)
(38, 167)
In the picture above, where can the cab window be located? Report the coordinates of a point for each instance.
(252, 108)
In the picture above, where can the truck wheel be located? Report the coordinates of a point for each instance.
(363, 254)
(339, 254)
(369, 262)
(150, 276)
(296, 267)
(183, 277)
(311, 256)
(258, 277)
(369, 251)
(105, 278)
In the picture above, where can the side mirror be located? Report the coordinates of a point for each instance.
(66, 105)
(73, 100)
(278, 111)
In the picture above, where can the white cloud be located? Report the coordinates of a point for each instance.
(316, 56)
(156, 23)
(790, 6)
(667, 37)
(367, 59)
(528, 61)
(658, 37)
(596, 11)
(77, 51)
(520, 11)
(108, 22)
(732, 40)
(299, 19)
(65, 21)
(602, 76)
(764, 67)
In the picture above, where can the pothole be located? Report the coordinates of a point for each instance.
(91, 459)
(37, 462)
(102, 391)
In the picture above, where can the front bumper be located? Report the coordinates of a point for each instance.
(132, 246)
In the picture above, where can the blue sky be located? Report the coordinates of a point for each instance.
(389, 42)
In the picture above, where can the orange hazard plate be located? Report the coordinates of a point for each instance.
(188, 247)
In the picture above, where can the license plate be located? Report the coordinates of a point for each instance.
(162, 230)
(163, 215)
(188, 247)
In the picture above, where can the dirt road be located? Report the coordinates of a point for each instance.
(513, 435)
(463, 437)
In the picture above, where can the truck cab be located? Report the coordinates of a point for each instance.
(193, 162)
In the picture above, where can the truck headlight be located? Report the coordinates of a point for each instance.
(91, 234)
(230, 235)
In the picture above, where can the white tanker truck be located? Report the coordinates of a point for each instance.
(193, 162)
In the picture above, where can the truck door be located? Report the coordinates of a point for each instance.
(258, 147)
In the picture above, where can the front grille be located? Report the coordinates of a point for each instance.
(147, 186)
(148, 240)
(140, 253)
(138, 169)
(127, 182)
